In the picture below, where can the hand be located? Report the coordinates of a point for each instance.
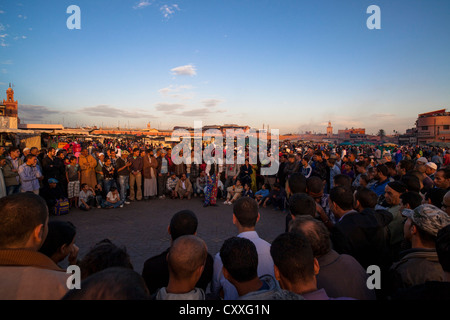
(73, 255)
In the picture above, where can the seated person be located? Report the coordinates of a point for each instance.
(262, 194)
(248, 192)
(200, 184)
(86, 198)
(183, 188)
(276, 197)
(234, 192)
(171, 185)
(52, 194)
(113, 199)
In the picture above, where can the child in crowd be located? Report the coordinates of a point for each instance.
(248, 192)
(73, 175)
(262, 194)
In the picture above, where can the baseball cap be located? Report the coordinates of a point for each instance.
(52, 180)
(432, 165)
(428, 218)
(423, 160)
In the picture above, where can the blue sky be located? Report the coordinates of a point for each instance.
(291, 64)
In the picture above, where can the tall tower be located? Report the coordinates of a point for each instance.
(329, 130)
(10, 104)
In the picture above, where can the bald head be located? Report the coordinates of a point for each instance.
(315, 231)
(186, 255)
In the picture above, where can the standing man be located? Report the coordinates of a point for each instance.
(123, 174)
(136, 167)
(150, 175)
(50, 165)
(87, 166)
(162, 173)
(30, 175)
(11, 171)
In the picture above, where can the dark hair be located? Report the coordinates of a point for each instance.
(115, 283)
(246, 212)
(20, 214)
(446, 171)
(183, 222)
(297, 183)
(411, 181)
(103, 255)
(72, 158)
(383, 170)
(342, 196)
(59, 233)
(292, 254)
(408, 165)
(302, 204)
(414, 199)
(314, 185)
(366, 197)
(443, 247)
(436, 195)
(240, 258)
(343, 180)
(316, 232)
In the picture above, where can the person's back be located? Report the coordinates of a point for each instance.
(341, 275)
(186, 261)
(25, 273)
(420, 263)
(156, 270)
(245, 218)
(364, 234)
(240, 261)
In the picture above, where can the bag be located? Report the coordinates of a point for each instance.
(61, 207)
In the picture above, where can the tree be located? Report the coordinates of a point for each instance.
(381, 133)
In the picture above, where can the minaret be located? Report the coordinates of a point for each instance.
(10, 104)
(329, 130)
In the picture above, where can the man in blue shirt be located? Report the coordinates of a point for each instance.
(382, 178)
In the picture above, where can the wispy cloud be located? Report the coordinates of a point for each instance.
(200, 112)
(34, 113)
(187, 70)
(172, 88)
(142, 4)
(169, 10)
(169, 108)
(210, 103)
(112, 112)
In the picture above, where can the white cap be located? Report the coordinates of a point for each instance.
(422, 159)
(432, 165)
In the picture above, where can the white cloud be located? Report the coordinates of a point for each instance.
(172, 88)
(187, 70)
(167, 11)
(142, 4)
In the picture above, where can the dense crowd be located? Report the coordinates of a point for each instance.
(347, 209)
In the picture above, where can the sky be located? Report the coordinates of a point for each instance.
(292, 65)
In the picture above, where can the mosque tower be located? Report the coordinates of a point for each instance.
(329, 130)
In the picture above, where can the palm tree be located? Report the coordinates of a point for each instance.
(381, 133)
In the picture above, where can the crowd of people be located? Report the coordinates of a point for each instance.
(346, 209)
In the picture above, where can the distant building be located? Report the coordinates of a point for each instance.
(8, 111)
(433, 127)
(329, 130)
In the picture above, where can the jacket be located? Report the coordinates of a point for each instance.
(11, 178)
(272, 291)
(364, 235)
(30, 275)
(29, 177)
(416, 266)
(187, 184)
